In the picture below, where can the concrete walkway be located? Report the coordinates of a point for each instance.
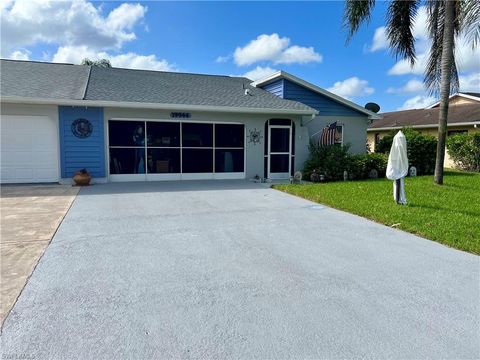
(222, 270)
(30, 215)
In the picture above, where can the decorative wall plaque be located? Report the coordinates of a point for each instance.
(82, 128)
(255, 136)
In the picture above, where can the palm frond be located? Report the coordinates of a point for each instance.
(355, 13)
(400, 20)
(436, 23)
(470, 21)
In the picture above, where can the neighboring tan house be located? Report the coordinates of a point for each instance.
(138, 125)
(463, 117)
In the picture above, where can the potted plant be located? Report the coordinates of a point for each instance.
(82, 178)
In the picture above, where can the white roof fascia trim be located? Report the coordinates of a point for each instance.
(424, 126)
(466, 96)
(285, 75)
(139, 105)
(269, 78)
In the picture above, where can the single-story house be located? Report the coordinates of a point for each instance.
(463, 117)
(138, 125)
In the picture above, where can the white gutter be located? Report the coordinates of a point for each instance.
(431, 126)
(139, 105)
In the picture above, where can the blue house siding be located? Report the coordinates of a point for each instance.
(77, 153)
(275, 87)
(326, 106)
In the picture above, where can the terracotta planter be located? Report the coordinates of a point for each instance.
(82, 179)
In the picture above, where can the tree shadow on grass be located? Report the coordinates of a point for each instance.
(459, 173)
(443, 208)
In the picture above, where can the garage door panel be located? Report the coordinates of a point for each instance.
(15, 140)
(24, 174)
(43, 157)
(41, 142)
(29, 149)
(46, 174)
(7, 174)
(20, 158)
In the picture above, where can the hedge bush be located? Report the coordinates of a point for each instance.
(464, 149)
(421, 149)
(332, 161)
(361, 165)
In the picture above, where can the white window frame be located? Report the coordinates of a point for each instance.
(343, 133)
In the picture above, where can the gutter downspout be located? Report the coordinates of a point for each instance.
(312, 117)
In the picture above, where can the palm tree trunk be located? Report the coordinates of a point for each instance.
(446, 72)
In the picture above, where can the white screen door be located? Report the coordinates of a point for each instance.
(280, 149)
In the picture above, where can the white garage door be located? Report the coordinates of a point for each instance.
(29, 149)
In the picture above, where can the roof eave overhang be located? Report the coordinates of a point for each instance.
(428, 126)
(158, 106)
(284, 75)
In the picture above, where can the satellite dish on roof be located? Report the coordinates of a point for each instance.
(372, 107)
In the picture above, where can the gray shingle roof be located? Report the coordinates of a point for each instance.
(76, 82)
(127, 85)
(461, 113)
(32, 79)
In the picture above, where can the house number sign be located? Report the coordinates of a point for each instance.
(180, 115)
(82, 128)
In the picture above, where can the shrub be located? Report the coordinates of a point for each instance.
(362, 164)
(421, 149)
(464, 149)
(332, 161)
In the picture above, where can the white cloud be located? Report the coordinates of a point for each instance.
(298, 55)
(412, 86)
(78, 28)
(379, 40)
(275, 49)
(125, 16)
(466, 57)
(129, 60)
(470, 82)
(418, 102)
(222, 59)
(351, 87)
(68, 23)
(20, 55)
(259, 73)
(466, 60)
(403, 67)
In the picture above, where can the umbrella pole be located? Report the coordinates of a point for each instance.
(397, 197)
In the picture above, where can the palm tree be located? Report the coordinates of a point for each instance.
(105, 63)
(446, 19)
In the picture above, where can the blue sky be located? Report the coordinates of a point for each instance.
(231, 38)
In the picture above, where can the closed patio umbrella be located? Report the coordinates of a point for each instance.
(397, 167)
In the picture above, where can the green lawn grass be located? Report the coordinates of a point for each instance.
(448, 214)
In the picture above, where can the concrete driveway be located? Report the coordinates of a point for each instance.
(223, 270)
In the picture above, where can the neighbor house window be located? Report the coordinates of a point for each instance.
(339, 135)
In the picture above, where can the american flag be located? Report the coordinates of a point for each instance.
(328, 135)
